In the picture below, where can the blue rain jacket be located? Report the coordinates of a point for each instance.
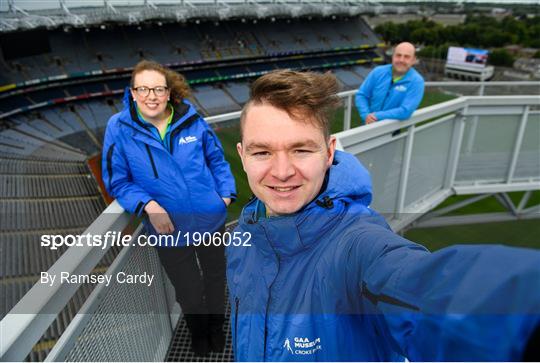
(187, 174)
(332, 282)
(389, 100)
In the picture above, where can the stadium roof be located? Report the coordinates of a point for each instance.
(30, 14)
(57, 4)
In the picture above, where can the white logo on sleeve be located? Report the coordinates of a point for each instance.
(303, 346)
(187, 140)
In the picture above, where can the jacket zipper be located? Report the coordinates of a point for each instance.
(267, 305)
(387, 93)
(109, 163)
(235, 351)
(152, 161)
(174, 132)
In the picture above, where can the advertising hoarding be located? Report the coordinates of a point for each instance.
(467, 57)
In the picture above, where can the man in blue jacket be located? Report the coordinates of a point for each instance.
(391, 91)
(323, 278)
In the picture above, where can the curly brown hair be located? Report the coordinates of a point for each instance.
(176, 83)
(305, 96)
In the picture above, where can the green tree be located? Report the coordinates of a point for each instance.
(517, 28)
(388, 31)
(533, 35)
(427, 52)
(477, 31)
(496, 38)
(423, 36)
(501, 57)
(431, 51)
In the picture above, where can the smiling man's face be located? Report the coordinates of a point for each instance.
(285, 160)
(403, 59)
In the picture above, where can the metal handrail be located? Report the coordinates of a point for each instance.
(29, 319)
(24, 325)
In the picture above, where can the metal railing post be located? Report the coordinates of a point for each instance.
(472, 135)
(402, 191)
(455, 148)
(523, 201)
(347, 113)
(517, 144)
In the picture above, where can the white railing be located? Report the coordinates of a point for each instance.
(450, 148)
(471, 145)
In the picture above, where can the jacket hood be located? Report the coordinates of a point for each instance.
(348, 178)
(182, 112)
(127, 100)
(347, 184)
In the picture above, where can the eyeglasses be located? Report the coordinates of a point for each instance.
(143, 91)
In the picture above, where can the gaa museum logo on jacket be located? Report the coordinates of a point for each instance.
(302, 346)
(186, 140)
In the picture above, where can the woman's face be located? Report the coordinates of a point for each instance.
(151, 94)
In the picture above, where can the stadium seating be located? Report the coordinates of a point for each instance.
(238, 91)
(38, 196)
(348, 78)
(122, 46)
(362, 71)
(214, 100)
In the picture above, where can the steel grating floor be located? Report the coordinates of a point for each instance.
(180, 348)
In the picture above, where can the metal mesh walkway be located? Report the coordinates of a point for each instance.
(180, 348)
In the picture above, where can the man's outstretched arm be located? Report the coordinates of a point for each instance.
(460, 303)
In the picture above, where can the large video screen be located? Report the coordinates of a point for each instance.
(467, 57)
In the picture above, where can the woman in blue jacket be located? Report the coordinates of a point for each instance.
(161, 159)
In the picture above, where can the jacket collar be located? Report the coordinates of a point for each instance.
(406, 77)
(347, 181)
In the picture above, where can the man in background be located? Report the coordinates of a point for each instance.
(391, 91)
